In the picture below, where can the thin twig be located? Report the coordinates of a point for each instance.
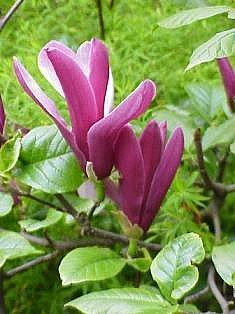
(87, 229)
(66, 245)
(2, 301)
(37, 199)
(230, 188)
(111, 4)
(2, 139)
(222, 165)
(10, 13)
(197, 295)
(28, 265)
(213, 207)
(101, 19)
(216, 292)
(91, 212)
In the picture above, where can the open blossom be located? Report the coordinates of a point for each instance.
(84, 79)
(228, 77)
(147, 167)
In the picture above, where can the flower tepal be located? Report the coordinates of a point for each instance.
(147, 167)
(84, 79)
(228, 77)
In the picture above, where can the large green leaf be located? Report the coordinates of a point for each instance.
(206, 100)
(6, 203)
(30, 225)
(189, 16)
(232, 148)
(47, 162)
(220, 45)
(231, 14)
(89, 264)
(218, 135)
(9, 154)
(224, 260)
(173, 268)
(126, 300)
(13, 245)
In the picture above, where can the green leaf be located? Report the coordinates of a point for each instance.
(6, 203)
(126, 300)
(141, 263)
(224, 260)
(47, 162)
(13, 245)
(173, 268)
(220, 45)
(177, 118)
(30, 225)
(232, 148)
(90, 264)
(186, 17)
(231, 14)
(9, 154)
(188, 308)
(206, 100)
(217, 135)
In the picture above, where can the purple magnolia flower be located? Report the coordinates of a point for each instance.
(147, 167)
(84, 79)
(228, 77)
(2, 121)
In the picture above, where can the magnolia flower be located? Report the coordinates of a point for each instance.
(84, 79)
(2, 121)
(228, 77)
(147, 167)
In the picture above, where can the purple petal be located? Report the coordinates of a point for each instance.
(88, 190)
(35, 92)
(2, 116)
(78, 94)
(129, 162)
(163, 131)
(109, 97)
(112, 191)
(228, 77)
(94, 61)
(83, 57)
(46, 66)
(163, 177)
(99, 73)
(102, 134)
(151, 146)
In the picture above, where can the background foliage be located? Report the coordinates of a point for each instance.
(139, 49)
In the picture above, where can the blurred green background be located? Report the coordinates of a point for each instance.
(138, 48)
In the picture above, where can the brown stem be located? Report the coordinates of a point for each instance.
(213, 207)
(209, 184)
(216, 292)
(87, 229)
(2, 139)
(101, 19)
(66, 245)
(30, 264)
(37, 199)
(10, 13)
(221, 167)
(2, 301)
(194, 297)
(111, 4)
